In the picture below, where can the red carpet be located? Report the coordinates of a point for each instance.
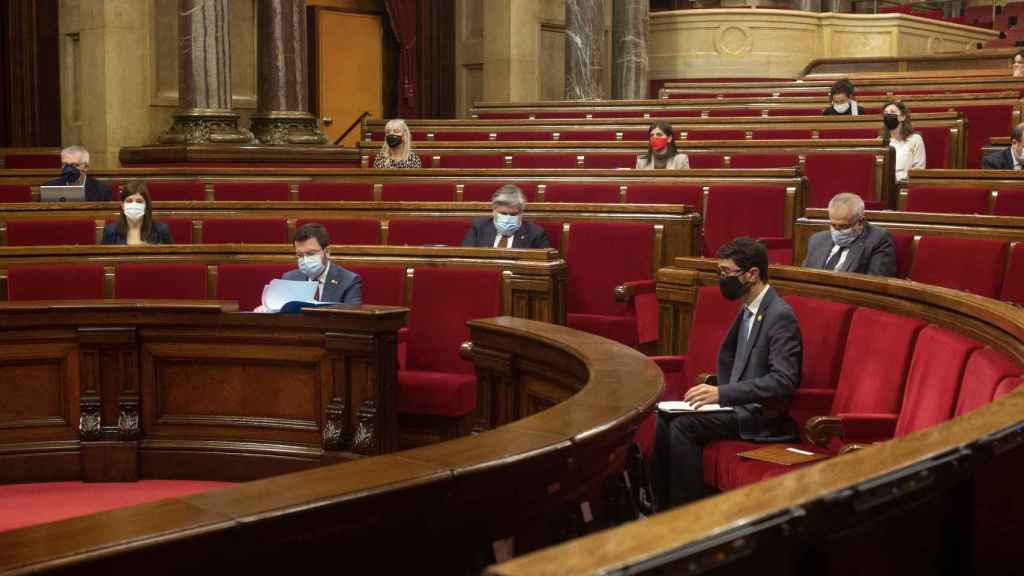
(29, 504)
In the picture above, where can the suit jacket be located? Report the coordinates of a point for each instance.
(873, 252)
(769, 372)
(482, 233)
(159, 234)
(95, 190)
(1001, 160)
(678, 162)
(342, 286)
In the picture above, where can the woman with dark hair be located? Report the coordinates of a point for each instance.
(136, 224)
(899, 133)
(661, 150)
(841, 100)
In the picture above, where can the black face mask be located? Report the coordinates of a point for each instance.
(394, 140)
(732, 287)
(71, 173)
(891, 121)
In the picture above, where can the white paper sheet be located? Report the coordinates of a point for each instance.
(682, 406)
(280, 292)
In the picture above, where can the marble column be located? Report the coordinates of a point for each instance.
(838, 6)
(630, 22)
(282, 116)
(204, 77)
(806, 5)
(584, 49)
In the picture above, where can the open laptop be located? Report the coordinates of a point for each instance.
(62, 193)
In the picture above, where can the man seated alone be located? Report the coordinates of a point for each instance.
(75, 165)
(313, 250)
(851, 244)
(1008, 158)
(759, 366)
(506, 228)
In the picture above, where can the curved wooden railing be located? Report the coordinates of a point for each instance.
(959, 65)
(438, 509)
(945, 498)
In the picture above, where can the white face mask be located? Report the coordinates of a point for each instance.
(312, 265)
(841, 108)
(134, 211)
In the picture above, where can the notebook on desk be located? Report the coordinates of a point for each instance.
(782, 454)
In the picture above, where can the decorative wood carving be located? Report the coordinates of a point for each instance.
(364, 440)
(128, 421)
(334, 426)
(89, 424)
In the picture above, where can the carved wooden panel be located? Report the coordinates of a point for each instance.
(38, 391)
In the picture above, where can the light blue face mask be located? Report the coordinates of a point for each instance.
(843, 238)
(507, 224)
(312, 265)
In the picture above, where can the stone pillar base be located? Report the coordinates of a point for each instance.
(205, 126)
(287, 128)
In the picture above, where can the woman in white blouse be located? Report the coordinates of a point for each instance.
(899, 133)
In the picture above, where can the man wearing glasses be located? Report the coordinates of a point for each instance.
(758, 369)
(334, 283)
(851, 244)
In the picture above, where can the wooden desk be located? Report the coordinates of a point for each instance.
(111, 390)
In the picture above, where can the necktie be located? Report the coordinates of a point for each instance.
(316, 296)
(830, 264)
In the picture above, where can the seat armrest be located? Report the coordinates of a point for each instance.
(670, 364)
(705, 378)
(627, 291)
(864, 428)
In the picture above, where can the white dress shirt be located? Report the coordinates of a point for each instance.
(753, 307)
(842, 257)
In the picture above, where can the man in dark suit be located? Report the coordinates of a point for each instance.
(75, 165)
(335, 284)
(506, 228)
(759, 366)
(851, 244)
(1007, 158)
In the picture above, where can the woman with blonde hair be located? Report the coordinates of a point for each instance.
(397, 150)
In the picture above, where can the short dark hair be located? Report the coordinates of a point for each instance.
(313, 230)
(747, 253)
(1017, 133)
(842, 86)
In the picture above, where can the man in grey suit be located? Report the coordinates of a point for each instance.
(851, 244)
(759, 366)
(313, 250)
(506, 228)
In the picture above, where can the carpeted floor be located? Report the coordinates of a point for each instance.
(29, 504)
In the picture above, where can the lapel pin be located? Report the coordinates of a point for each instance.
(760, 317)
(333, 281)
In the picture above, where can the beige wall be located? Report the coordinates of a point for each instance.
(119, 71)
(779, 43)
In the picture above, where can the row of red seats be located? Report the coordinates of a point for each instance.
(962, 200)
(635, 135)
(882, 375)
(676, 94)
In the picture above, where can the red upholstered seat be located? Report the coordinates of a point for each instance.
(436, 381)
(636, 135)
(469, 161)
(244, 283)
(600, 193)
(543, 160)
(947, 199)
(455, 136)
(1009, 202)
(587, 135)
(1005, 387)
(824, 327)
(561, 114)
(503, 115)
(15, 193)
(933, 383)
(348, 231)
(336, 191)
(936, 144)
(974, 265)
(830, 173)
(985, 122)
(1013, 284)
(704, 161)
(609, 160)
(671, 113)
(74, 282)
(985, 371)
(171, 281)
(700, 134)
(553, 230)
(418, 192)
(848, 133)
(782, 134)
(758, 211)
(794, 111)
(903, 243)
(251, 191)
(421, 231)
(747, 160)
(50, 232)
(734, 112)
(180, 229)
(382, 285)
(176, 190)
(483, 191)
(524, 135)
(602, 256)
(245, 231)
(29, 161)
(689, 194)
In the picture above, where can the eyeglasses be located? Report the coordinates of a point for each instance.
(726, 272)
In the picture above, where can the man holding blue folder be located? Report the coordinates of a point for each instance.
(334, 283)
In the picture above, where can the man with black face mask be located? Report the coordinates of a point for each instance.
(75, 162)
(851, 244)
(758, 369)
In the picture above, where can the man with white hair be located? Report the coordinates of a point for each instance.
(851, 244)
(75, 165)
(506, 227)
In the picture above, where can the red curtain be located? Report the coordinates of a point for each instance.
(403, 21)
